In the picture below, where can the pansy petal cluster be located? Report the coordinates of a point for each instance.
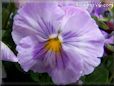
(63, 41)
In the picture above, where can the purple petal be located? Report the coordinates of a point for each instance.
(84, 31)
(106, 35)
(80, 22)
(29, 23)
(84, 37)
(67, 3)
(64, 68)
(86, 5)
(25, 52)
(40, 67)
(87, 69)
(71, 72)
(7, 54)
(45, 59)
(110, 40)
(26, 55)
(75, 16)
(90, 59)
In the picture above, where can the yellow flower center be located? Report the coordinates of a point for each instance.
(53, 44)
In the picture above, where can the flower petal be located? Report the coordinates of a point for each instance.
(29, 23)
(90, 60)
(110, 40)
(25, 52)
(71, 72)
(84, 36)
(7, 54)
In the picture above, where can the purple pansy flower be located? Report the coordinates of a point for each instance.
(65, 41)
(6, 54)
(101, 10)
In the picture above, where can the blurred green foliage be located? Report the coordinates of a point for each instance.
(101, 23)
(42, 79)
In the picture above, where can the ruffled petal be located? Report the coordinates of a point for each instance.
(64, 67)
(30, 54)
(7, 54)
(85, 35)
(71, 71)
(31, 23)
(25, 52)
(75, 19)
(81, 33)
(45, 59)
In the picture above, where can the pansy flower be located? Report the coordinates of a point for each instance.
(101, 10)
(63, 41)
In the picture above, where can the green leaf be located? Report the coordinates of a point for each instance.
(109, 62)
(41, 78)
(112, 10)
(99, 76)
(6, 12)
(105, 19)
(110, 47)
(101, 23)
